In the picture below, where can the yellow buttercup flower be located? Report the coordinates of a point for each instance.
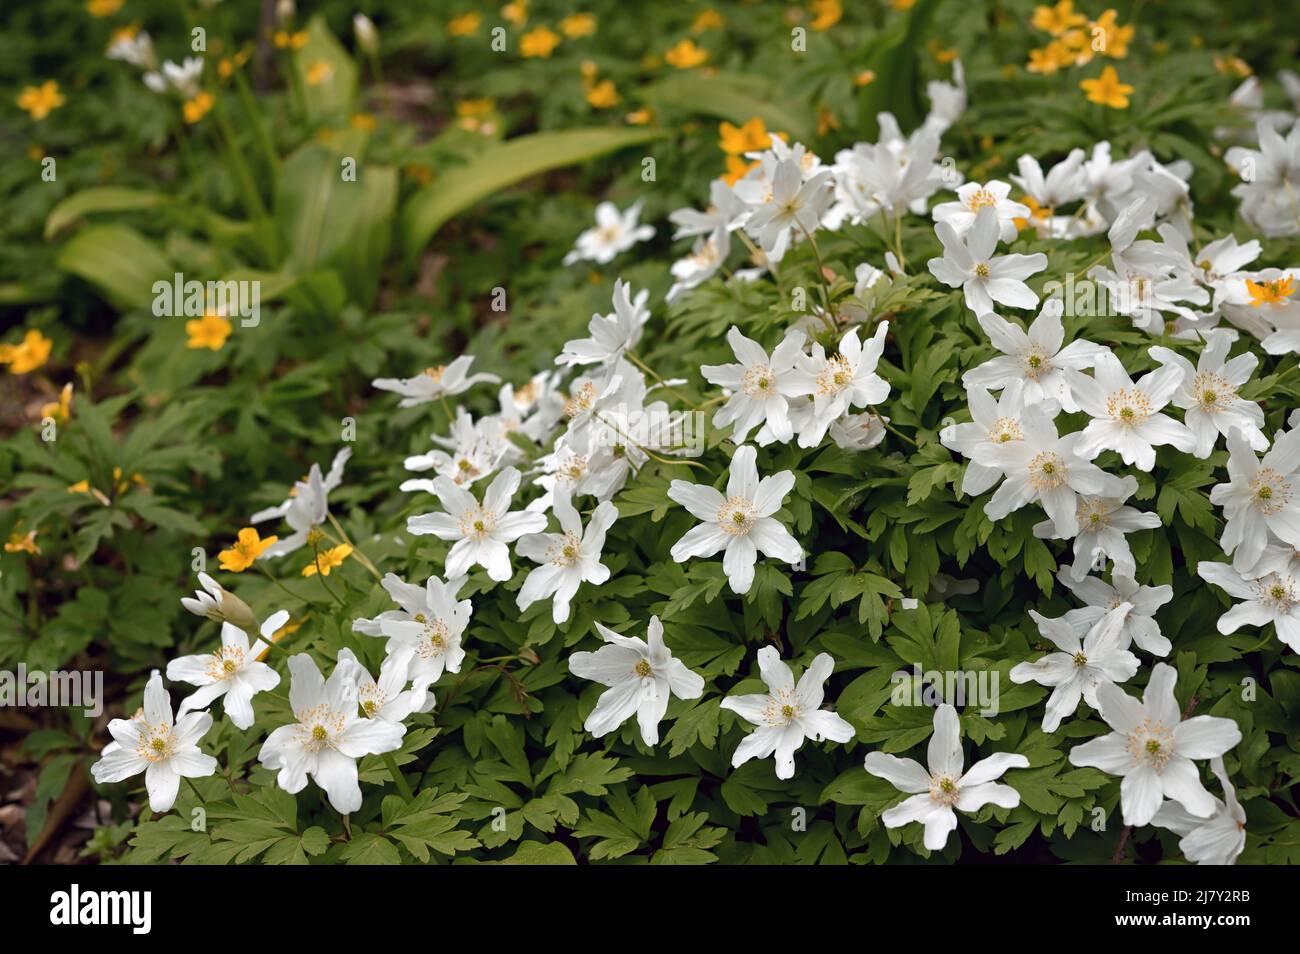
(210, 331)
(103, 8)
(602, 95)
(1107, 90)
(285, 40)
(540, 42)
(707, 20)
(472, 114)
(1275, 292)
(515, 12)
(736, 169)
(865, 78)
(826, 13)
(291, 626)
(195, 109)
(60, 410)
(1116, 37)
(22, 543)
(686, 55)
(40, 101)
(248, 547)
(319, 72)
(578, 24)
(1045, 60)
(328, 560)
(738, 140)
(28, 355)
(1233, 64)
(363, 121)
(639, 117)
(466, 24)
(1056, 20)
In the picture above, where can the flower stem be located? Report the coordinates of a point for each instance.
(398, 780)
(361, 557)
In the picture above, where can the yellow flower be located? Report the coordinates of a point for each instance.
(195, 109)
(1056, 20)
(944, 54)
(285, 40)
(61, 409)
(319, 72)
(602, 95)
(22, 543)
(28, 355)
(826, 13)
(1046, 60)
(1116, 37)
(1270, 293)
(738, 140)
(707, 20)
(1036, 211)
(736, 169)
(826, 121)
(578, 24)
(290, 627)
(41, 100)
(1233, 64)
(540, 42)
(103, 8)
(210, 331)
(472, 114)
(515, 12)
(865, 78)
(686, 55)
(328, 560)
(248, 547)
(639, 117)
(1107, 90)
(466, 24)
(83, 487)
(363, 121)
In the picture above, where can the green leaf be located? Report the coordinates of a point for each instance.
(119, 261)
(102, 199)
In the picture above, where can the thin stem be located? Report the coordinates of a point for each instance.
(632, 356)
(267, 573)
(320, 574)
(398, 780)
(821, 278)
(361, 557)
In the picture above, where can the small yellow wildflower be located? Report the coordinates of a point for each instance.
(826, 13)
(686, 55)
(1233, 64)
(103, 8)
(40, 101)
(515, 12)
(466, 24)
(1107, 90)
(639, 117)
(540, 42)
(290, 627)
(28, 355)
(472, 114)
(1056, 20)
(328, 560)
(707, 20)
(865, 78)
(737, 168)
(60, 410)
(248, 547)
(826, 121)
(1115, 37)
(195, 109)
(1270, 293)
(578, 24)
(22, 543)
(210, 331)
(319, 72)
(363, 121)
(603, 95)
(284, 40)
(738, 140)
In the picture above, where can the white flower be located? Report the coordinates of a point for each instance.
(1219, 268)
(615, 232)
(1034, 358)
(641, 676)
(435, 383)
(481, 531)
(993, 425)
(706, 257)
(1274, 598)
(841, 381)
(232, 672)
(1216, 841)
(136, 50)
(610, 335)
(944, 787)
(1126, 415)
(972, 197)
(183, 79)
(1268, 194)
(858, 432)
(1260, 495)
(367, 35)
(1046, 468)
(794, 206)
(786, 714)
(1065, 183)
(761, 386)
(568, 559)
(741, 523)
(387, 697)
(430, 622)
(218, 604)
(1103, 522)
(1209, 393)
(327, 736)
(1152, 748)
(1140, 626)
(306, 507)
(472, 451)
(165, 750)
(1081, 665)
(969, 264)
(893, 176)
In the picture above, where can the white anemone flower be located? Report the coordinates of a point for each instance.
(993, 424)
(787, 713)
(1218, 840)
(937, 794)
(1210, 393)
(614, 232)
(1140, 627)
(761, 386)
(1261, 495)
(306, 507)
(1126, 415)
(1103, 524)
(972, 197)
(1274, 598)
(436, 383)
(568, 558)
(841, 381)
(232, 673)
(968, 263)
(430, 622)
(610, 336)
